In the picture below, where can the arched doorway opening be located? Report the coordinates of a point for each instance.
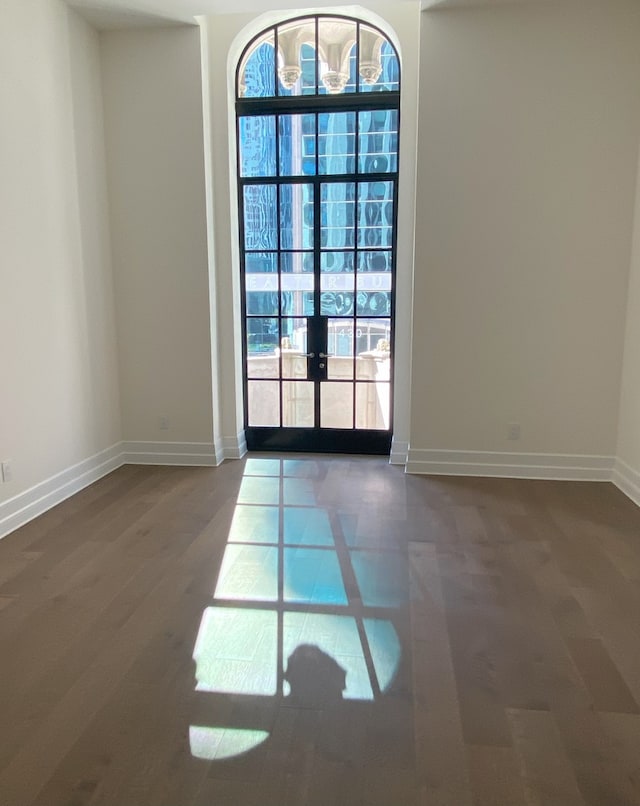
(317, 107)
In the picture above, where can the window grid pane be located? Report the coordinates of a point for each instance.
(344, 275)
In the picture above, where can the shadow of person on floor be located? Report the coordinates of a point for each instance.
(317, 684)
(316, 680)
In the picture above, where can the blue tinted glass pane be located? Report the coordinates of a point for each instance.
(296, 60)
(336, 262)
(296, 216)
(379, 67)
(297, 145)
(308, 65)
(337, 285)
(257, 78)
(337, 303)
(378, 141)
(340, 338)
(260, 217)
(337, 203)
(297, 283)
(296, 262)
(263, 263)
(375, 214)
(261, 282)
(352, 83)
(262, 302)
(258, 145)
(373, 303)
(262, 340)
(337, 143)
(374, 284)
(375, 263)
(298, 303)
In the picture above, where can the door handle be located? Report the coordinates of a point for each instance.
(310, 355)
(325, 355)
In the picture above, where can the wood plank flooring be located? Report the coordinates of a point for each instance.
(293, 631)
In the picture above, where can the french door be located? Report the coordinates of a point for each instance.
(318, 201)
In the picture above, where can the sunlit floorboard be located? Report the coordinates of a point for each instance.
(285, 631)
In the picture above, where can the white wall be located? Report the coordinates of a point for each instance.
(629, 433)
(59, 397)
(529, 124)
(527, 170)
(154, 136)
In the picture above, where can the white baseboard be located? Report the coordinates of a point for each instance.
(218, 450)
(234, 447)
(627, 479)
(510, 465)
(35, 501)
(27, 505)
(399, 452)
(188, 454)
(31, 503)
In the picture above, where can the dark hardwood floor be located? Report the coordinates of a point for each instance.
(283, 631)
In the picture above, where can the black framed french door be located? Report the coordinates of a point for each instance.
(318, 313)
(317, 180)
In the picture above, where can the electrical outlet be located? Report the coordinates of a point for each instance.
(514, 431)
(164, 423)
(7, 472)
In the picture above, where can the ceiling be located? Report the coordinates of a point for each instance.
(114, 14)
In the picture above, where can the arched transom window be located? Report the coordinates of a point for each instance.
(318, 56)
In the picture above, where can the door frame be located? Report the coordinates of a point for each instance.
(317, 438)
